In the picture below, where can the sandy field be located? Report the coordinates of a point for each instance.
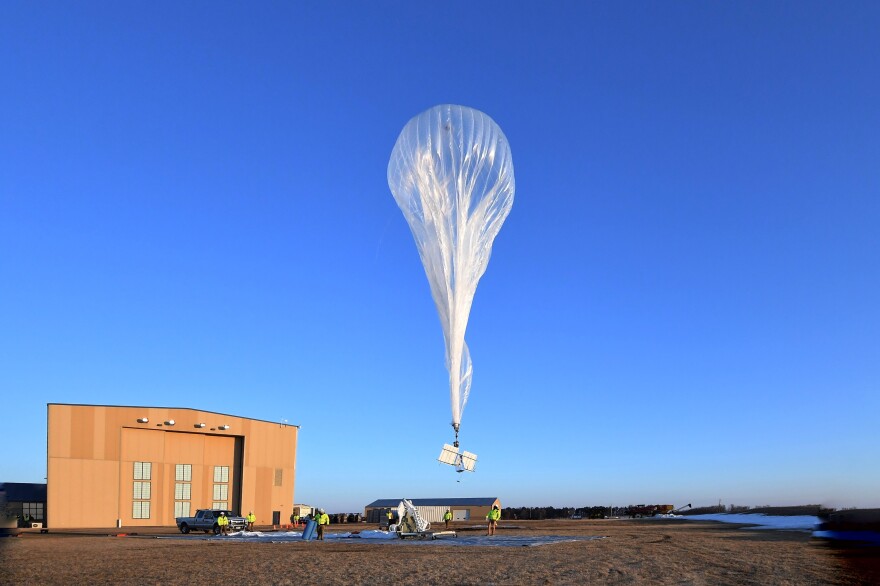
(640, 551)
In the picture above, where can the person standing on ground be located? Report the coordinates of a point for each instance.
(447, 517)
(494, 516)
(390, 516)
(251, 519)
(323, 519)
(223, 523)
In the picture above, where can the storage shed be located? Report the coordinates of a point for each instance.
(432, 509)
(25, 501)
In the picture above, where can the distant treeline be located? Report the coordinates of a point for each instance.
(599, 512)
(562, 513)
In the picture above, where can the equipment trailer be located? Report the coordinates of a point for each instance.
(413, 525)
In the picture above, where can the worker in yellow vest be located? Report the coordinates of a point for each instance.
(251, 519)
(493, 517)
(447, 517)
(223, 523)
(323, 519)
(390, 516)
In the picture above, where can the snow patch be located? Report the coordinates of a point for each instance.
(762, 521)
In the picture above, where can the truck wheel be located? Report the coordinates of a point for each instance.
(216, 529)
(184, 528)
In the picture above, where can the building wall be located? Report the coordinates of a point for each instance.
(93, 452)
(433, 514)
(471, 513)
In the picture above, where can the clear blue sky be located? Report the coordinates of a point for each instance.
(682, 306)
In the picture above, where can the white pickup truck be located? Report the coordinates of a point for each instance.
(206, 520)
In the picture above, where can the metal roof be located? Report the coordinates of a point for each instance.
(24, 492)
(483, 501)
(158, 407)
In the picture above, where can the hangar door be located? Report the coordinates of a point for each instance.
(167, 474)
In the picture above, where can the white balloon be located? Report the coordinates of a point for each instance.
(451, 174)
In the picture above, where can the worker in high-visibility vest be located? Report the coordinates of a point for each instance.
(493, 517)
(323, 519)
(251, 519)
(390, 516)
(447, 517)
(223, 523)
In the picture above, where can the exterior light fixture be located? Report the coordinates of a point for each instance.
(169, 422)
(199, 425)
(143, 420)
(223, 427)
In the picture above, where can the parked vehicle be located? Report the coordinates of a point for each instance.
(206, 520)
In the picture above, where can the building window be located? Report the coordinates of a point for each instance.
(279, 474)
(143, 473)
(182, 489)
(183, 472)
(141, 491)
(140, 510)
(143, 470)
(221, 489)
(35, 510)
(221, 492)
(181, 509)
(221, 473)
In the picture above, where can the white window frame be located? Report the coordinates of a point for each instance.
(221, 492)
(182, 509)
(143, 470)
(141, 490)
(183, 472)
(140, 510)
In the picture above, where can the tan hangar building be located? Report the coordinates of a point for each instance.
(114, 466)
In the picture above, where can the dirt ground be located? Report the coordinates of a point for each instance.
(641, 551)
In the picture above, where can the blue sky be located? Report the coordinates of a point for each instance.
(681, 306)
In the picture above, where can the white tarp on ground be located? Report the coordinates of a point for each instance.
(387, 537)
(501, 540)
(284, 536)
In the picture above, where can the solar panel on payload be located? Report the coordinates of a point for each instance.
(464, 461)
(449, 455)
(468, 461)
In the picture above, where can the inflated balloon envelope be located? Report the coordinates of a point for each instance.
(451, 174)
